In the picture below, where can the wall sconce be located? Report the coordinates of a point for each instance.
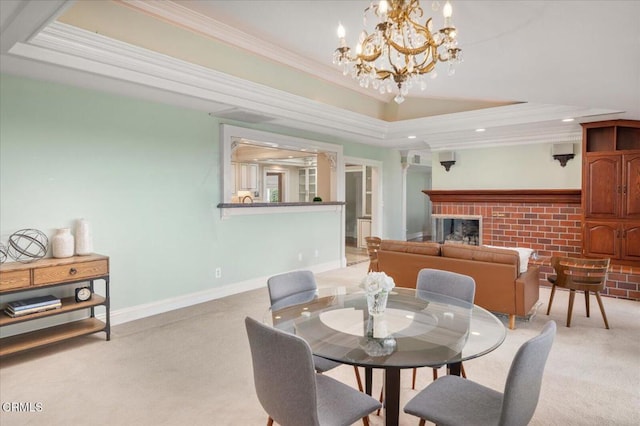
(447, 159)
(562, 152)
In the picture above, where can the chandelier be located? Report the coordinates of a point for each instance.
(400, 51)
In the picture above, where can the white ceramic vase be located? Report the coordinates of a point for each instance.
(84, 239)
(62, 243)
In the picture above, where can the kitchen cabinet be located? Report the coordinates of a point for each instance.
(307, 184)
(368, 190)
(364, 231)
(611, 190)
(248, 177)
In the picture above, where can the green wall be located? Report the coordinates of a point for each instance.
(528, 166)
(146, 177)
(418, 206)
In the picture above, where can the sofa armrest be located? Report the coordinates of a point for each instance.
(527, 290)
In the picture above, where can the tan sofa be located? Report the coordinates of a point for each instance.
(500, 287)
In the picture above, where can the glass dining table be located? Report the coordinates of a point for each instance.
(417, 329)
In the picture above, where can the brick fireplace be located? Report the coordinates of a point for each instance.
(548, 221)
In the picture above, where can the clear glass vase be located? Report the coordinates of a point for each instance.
(377, 303)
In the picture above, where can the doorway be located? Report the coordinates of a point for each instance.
(274, 186)
(363, 212)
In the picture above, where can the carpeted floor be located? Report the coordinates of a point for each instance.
(356, 255)
(192, 366)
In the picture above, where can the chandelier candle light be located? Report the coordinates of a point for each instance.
(377, 286)
(400, 51)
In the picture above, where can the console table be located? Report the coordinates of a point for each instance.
(54, 273)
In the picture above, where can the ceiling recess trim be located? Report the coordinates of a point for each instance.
(182, 16)
(73, 48)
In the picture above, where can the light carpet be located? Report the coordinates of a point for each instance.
(192, 367)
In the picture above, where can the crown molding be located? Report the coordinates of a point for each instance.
(73, 48)
(25, 19)
(187, 18)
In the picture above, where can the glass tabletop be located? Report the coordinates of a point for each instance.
(418, 329)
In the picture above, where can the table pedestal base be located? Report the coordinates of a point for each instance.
(392, 390)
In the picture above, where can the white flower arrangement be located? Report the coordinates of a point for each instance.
(377, 282)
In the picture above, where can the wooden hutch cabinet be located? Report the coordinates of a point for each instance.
(611, 190)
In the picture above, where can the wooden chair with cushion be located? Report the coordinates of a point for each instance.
(289, 389)
(576, 274)
(373, 245)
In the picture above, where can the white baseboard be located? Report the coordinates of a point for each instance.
(132, 313)
(415, 236)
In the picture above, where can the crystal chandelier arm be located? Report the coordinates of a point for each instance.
(409, 50)
(425, 31)
(415, 50)
(383, 74)
(399, 74)
(344, 52)
(452, 54)
(376, 50)
(424, 69)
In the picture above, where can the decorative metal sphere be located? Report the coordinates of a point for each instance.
(3, 253)
(27, 245)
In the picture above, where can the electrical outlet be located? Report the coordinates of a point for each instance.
(316, 254)
(300, 257)
(218, 272)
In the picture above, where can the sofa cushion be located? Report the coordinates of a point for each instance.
(482, 254)
(426, 248)
(523, 253)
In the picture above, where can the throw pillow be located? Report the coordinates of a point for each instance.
(524, 253)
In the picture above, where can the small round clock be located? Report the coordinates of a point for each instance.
(83, 294)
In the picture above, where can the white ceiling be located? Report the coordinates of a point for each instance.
(550, 52)
(556, 58)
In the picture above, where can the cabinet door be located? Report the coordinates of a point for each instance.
(307, 187)
(631, 241)
(249, 176)
(364, 231)
(303, 193)
(312, 181)
(601, 239)
(603, 175)
(368, 190)
(631, 186)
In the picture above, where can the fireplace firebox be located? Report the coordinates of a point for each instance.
(457, 229)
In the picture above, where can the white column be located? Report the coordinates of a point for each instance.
(403, 203)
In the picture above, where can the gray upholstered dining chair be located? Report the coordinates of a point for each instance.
(296, 287)
(289, 389)
(451, 400)
(447, 284)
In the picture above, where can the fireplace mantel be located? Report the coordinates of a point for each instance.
(569, 196)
